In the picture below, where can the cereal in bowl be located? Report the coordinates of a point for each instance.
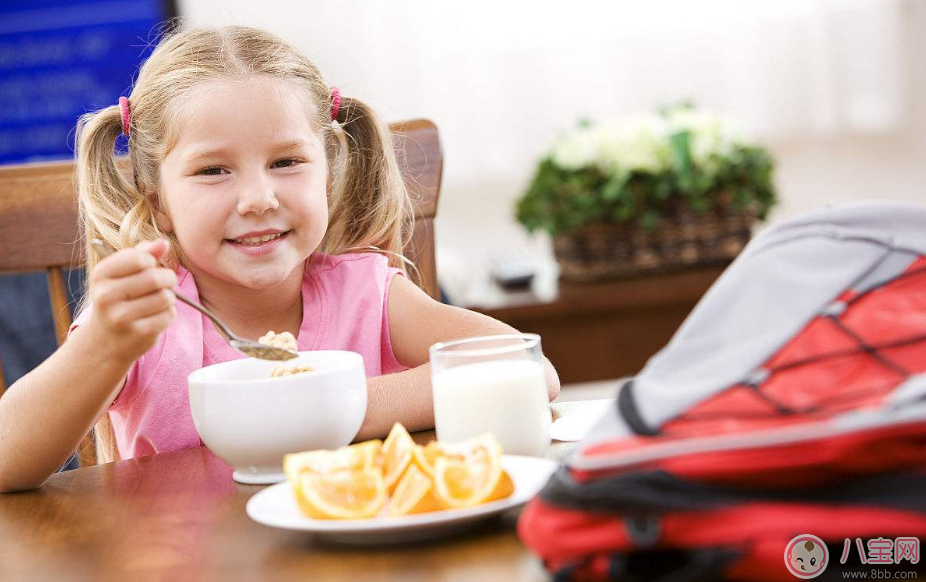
(281, 370)
(287, 341)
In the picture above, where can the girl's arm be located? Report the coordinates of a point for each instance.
(416, 322)
(47, 412)
(45, 415)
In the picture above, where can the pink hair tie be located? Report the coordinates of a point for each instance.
(335, 103)
(126, 115)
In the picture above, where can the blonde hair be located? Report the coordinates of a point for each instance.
(368, 203)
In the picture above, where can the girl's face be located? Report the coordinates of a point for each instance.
(244, 189)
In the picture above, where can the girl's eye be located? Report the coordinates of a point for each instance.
(214, 171)
(285, 163)
(813, 561)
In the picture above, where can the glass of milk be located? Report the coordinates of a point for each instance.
(492, 384)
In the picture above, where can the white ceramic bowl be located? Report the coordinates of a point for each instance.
(251, 420)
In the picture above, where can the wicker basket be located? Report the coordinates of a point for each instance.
(622, 250)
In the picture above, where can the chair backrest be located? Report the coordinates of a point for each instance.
(39, 230)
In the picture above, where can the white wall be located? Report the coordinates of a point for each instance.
(833, 87)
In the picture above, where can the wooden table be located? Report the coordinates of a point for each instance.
(179, 516)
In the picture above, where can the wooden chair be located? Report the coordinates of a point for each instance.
(38, 223)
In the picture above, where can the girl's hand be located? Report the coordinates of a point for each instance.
(132, 299)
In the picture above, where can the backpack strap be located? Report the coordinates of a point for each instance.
(627, 409)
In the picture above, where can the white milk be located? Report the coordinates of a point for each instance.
(507, 398)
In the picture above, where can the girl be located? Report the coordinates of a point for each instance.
(252, 178)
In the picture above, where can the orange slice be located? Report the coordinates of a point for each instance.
(413, 494)
(425, 456)
(360, 456)
(342, 494)
(471, 473)
(397, 453)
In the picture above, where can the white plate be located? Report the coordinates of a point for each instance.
(276, 506)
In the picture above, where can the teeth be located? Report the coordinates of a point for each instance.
(256, 240)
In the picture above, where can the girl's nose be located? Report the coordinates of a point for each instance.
(257, 196)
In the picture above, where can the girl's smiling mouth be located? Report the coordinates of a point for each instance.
(258, 243)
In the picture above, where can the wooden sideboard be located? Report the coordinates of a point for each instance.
(604, 330)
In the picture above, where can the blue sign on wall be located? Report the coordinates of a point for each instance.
(62, 58)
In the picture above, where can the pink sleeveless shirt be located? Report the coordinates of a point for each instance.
(344, 300)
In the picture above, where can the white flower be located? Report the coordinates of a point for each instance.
(709, 135)
(638, 143)
(575, 150)
(642, 143)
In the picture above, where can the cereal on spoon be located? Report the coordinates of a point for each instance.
(287, 341)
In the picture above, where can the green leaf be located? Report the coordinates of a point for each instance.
(699, 205)
(622, 214)
(680, 143)
(615, 187)
(649, 220)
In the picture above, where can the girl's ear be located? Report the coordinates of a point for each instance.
(161, 218)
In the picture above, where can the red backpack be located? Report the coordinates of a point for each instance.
(784, 423)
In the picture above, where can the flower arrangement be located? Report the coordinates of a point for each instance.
(653, 192)
(638, 169)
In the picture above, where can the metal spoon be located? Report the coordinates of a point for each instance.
(245, 346)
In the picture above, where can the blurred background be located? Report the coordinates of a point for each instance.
(831, 87)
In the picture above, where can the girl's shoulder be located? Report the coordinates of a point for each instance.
(355, 274)
(348, 266)
(320, 262)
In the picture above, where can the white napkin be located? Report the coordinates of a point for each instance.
(578, 418)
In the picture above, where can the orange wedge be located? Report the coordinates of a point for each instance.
(363, 455)
(413, 494)
(397, 453)
(471, 473)
(341, 495)
(424, 457)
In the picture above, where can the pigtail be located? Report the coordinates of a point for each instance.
(370, 206)
(103, 193)
(109, 205)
